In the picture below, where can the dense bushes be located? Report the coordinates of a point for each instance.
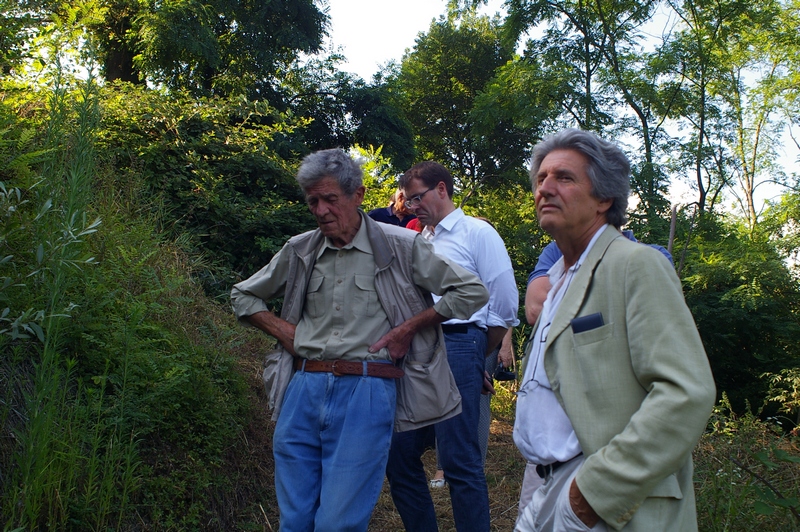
(120, 395)
(747, 473)
(220, 171)
(745, 302)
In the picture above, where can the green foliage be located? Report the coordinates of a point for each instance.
(69, 464)
(217, 48)
(782, 222)
(379, 179)
(18, 24)
(744, 302)
(219, 169)
(769, 498)
(117, 380)
(437, 85)
(378, 122)
(512, 110)
(177, 389)
(784, 389)
(343, 111)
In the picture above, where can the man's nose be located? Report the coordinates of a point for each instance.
(320, 209)
(545, 187)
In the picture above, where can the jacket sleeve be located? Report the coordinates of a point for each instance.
(462, 292)
(670, 364)
(251, 295)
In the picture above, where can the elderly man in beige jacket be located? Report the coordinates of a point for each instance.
(362, 349)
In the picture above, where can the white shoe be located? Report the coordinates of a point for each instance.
(437, 483)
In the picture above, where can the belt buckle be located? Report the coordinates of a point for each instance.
(334, 370)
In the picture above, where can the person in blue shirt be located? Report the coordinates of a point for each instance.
(395, 214)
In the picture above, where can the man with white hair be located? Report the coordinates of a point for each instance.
(362, 350)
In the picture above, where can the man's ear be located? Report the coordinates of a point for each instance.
(604, 205)
(359, 195)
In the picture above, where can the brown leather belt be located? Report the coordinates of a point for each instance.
(350, 367)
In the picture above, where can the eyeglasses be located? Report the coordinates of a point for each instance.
(416, 200)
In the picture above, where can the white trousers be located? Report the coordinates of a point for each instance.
(549, 509)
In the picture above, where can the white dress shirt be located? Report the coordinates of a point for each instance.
(542, 431)
(475, 245)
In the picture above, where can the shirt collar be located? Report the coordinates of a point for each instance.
(449, 222)
(557, 270)
(359, 242)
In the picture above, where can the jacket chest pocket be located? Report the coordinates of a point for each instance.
(592, 336)
(365, 298)
(594, 352)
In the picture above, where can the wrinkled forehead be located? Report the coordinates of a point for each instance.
(325, 186)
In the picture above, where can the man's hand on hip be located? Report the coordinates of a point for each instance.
(398, 340)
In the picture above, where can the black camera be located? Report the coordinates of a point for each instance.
(503, 374)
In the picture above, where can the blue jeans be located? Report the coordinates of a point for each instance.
(331, 444)
(458, 448)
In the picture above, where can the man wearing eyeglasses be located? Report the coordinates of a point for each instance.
(617, 387)
(476, 246)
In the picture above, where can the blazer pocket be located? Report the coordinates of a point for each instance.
(599, 368)
(668, 487)
(593, 335)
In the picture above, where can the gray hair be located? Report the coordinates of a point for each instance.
(333, 163)
(609, 169)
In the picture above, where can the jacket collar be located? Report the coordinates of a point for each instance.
(576, 292)
(308, 248)
(381, 251)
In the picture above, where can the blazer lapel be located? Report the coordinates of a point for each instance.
(576, 293)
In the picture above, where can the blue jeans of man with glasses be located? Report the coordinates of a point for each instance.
(458, 446)
(331, 444)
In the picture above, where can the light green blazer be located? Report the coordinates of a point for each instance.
(638, 389)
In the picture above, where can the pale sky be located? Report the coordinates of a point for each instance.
(373, 32)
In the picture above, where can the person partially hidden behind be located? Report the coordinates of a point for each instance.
(475, 245)
(396, 213)
(357, 299)
(617, 387)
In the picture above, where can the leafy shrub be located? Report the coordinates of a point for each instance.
(121, 399)
(220, 168)
(745, 303)
(747, 474)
